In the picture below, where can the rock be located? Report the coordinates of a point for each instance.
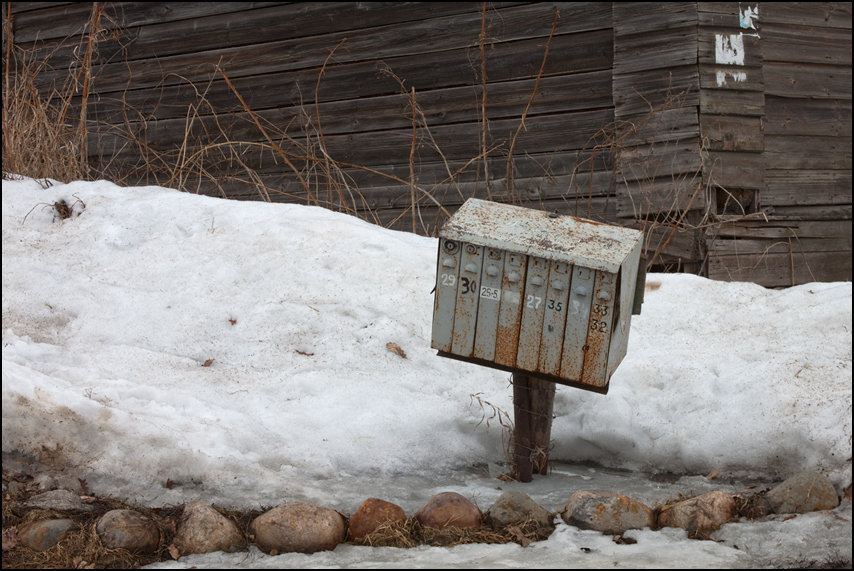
(515, 507)
(41, 535)
(203, 530)
(804, 492)
(60, 500)
(700, 515)
(449, 509)
(298, 527)
(373, 513)
(128, 529)
(608, 512)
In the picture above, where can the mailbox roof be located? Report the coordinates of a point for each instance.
(542, 234)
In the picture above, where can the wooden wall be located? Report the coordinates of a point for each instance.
(723, 130)
(789, 167)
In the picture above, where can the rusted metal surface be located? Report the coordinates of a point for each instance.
(535, 293)
(537, 233)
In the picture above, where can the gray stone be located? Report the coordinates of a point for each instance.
(449, 509)
(802, 493)
(514, 507)
(60, 500)
(608, 512)
(41, 535)
(700, 515)
(298, 527)
(203, 530)
(128, 529)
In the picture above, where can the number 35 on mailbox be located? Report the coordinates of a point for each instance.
(538, 293)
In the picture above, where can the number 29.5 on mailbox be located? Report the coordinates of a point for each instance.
(538, 293)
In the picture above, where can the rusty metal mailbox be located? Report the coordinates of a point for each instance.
(534, 292)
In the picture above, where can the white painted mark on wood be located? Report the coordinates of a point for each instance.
(729, 49)
(748, 17)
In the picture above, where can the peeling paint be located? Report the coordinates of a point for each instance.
(729, 49)
(748, 17)
(736, 76)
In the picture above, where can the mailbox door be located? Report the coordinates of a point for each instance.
(465, 313)
(600, 330)
(533, 310)
(554, 320)
(489, 303)
(577, 322)
(446, 294)
(510, 309)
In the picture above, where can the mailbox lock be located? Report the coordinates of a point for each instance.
(450, 246)
(471, 248)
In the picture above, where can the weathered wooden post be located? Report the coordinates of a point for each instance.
(533, 403)
(545, 296)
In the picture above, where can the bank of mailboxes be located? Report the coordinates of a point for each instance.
(534, 292)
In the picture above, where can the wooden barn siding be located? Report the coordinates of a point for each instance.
(778, 142)
(805, 195)
(656, 97)
(274, 52)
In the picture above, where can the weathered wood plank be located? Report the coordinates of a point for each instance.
(806, 187)
(823, 117)
(732, 132)
(728, 102)
(739, 78)
(641, 92)
(544, 134)
(782, 270)
(641, 17)
(731, 170)
(645, 199)
(807, 80)
(666, 158)
(661, 49)
(792, 152)
(819, 14)
(557, 94)
(572, 53)
(794, 43)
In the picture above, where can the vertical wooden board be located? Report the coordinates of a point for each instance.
(488, 306)
(577, 318)
(510, 309)
(465, 313)
(533, 310)
(554, 320)
(599, 330)
(444, 303)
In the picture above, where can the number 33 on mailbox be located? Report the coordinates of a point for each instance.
(537, 293)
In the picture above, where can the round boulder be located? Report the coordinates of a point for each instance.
(802, 493)
(514, 507)
(43, 534)
(299, 528)
(128, 529)
(608, 512)
(449, 509)
(373, 513)
(700, 515)
(203, 530)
